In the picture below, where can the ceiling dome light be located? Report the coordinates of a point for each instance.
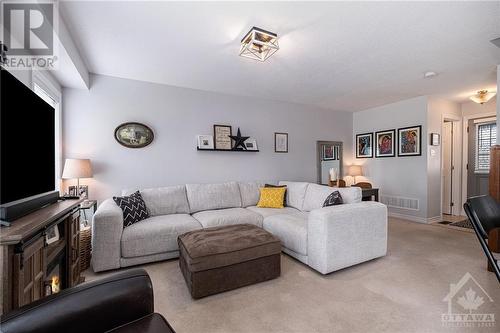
(482, 96)
(429, 75)
(259, 44)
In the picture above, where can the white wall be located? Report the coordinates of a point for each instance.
(176, 116)
(473, 109)
(397, 176)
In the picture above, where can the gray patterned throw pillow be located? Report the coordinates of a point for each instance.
(333, 199)
(133, 207)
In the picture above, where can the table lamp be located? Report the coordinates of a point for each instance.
(355, 170)
(77, 168)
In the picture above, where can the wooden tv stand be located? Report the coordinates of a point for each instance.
(29, 263)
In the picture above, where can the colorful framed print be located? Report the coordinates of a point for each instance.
(364, 145)
(385, 143)
(410, 141)
(328, 153)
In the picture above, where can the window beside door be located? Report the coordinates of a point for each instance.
(486, 136)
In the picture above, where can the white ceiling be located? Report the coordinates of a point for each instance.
(336, 55)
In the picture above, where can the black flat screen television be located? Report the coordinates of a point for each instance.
(27, 142)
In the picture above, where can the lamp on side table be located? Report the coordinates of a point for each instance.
(77, 168)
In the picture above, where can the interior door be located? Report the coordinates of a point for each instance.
(447, 144)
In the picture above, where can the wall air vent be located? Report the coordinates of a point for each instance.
(400, 202)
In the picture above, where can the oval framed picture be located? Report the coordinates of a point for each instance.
(134, 135)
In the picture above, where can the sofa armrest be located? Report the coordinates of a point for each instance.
(107, 228)
(96, 306)
(345, 235)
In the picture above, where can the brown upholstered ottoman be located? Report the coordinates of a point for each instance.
(218, 259)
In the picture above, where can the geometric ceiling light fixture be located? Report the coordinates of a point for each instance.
(482, 96)
(259, 44)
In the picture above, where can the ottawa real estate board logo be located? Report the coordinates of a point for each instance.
(468, 305)
(29, 31)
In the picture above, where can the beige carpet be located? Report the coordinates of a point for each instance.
(402, 292)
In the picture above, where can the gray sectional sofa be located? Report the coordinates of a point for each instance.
(327, 239)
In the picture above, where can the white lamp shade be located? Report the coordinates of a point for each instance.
(355, 170)
(77, 168)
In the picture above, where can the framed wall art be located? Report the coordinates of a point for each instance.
(205, 141)
(364, 145)
(134, 135)
(222, 138)
(251, 144)
(329, 153)
(281, 142)
(410, 141)
(385, 143)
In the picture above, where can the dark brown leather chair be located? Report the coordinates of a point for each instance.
(120, 303)
(484, 214)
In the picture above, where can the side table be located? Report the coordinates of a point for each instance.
(86, 234)
(369, 194)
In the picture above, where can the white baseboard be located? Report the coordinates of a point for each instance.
(418, 219)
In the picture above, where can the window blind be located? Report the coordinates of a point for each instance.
(486, 136)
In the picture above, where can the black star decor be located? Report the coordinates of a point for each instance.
(239, 141)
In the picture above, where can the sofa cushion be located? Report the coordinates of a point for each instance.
(291, 229)
(213, 196)
(156, 234)
(133, 208)
(265, 212)
(295, 193)
(272, 185)
(164, 200)
(271, 197)
(317, 194)
(249, 193)
(333, 199)
(229, 216)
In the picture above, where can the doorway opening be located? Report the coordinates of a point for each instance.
(451, 156)
(447, 146)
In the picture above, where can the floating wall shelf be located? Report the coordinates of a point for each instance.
(239, 151)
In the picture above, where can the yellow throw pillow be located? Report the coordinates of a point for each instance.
(271, 197)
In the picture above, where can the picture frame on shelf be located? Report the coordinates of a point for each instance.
(280, 142)
(410, 141)
(205, 141)
(364, 145)
(72, 192)
(385, 145)
(222, 138)
(251, 144)
(83, 191)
